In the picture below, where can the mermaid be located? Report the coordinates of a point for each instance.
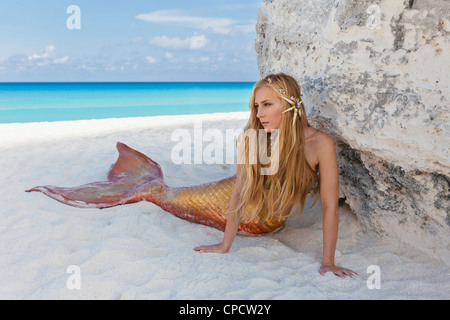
(259, 197)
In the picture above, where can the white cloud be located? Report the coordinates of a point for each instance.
(47, 57)
(61, 60)
(170, 57)
(217, 25)
(193, 43)
(48, 53)
(150, 59)
(42, 63)
(199, 60)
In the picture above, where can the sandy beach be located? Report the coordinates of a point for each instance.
(139, 251)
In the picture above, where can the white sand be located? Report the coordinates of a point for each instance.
(139, 251)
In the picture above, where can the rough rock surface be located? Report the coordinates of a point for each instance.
(375, 77)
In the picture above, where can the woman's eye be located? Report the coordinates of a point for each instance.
(265, 105)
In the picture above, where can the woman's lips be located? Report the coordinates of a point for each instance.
(264, 123)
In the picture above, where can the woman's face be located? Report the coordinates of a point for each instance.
(268, 107)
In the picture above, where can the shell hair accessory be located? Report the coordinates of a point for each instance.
(294, 102)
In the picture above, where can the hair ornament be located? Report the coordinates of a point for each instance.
(294, 102)
(296, 107)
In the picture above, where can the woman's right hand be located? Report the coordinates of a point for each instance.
(215, 248)
(232, 224)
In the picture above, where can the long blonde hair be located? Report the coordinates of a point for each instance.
(294, 179)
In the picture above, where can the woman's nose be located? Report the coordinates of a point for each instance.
(259, 113)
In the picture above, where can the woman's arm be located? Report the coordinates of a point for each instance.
(233, 221)
(329, 197)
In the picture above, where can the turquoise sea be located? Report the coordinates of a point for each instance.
(38, 102)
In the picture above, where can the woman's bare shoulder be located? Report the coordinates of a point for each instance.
(317, 138)
(318, 144)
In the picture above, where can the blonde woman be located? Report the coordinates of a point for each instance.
(303, 151)
(265, 190)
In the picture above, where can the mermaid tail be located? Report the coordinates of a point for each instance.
(135, 177)
(127, 179)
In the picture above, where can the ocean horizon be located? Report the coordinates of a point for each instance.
(24, 102)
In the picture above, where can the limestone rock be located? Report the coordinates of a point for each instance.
(375, 77)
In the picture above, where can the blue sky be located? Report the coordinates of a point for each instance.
(135, 40)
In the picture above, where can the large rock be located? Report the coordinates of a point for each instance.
(375, 76)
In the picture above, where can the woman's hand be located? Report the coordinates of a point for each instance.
(233, 220)
(340, 272)
(216, 248)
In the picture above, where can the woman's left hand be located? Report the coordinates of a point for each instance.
(340, 272)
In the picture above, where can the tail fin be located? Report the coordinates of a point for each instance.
(133, 164)
(129, 180)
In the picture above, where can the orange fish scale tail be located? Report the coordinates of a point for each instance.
(135, 177)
